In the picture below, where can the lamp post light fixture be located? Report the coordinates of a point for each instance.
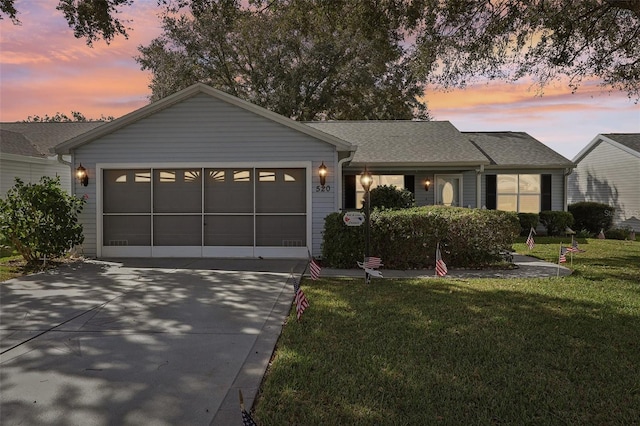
(322, 172)
(82, 175)
(366, 180)
(427, 184)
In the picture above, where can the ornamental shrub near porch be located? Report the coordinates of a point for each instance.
(407, 239)
(40, 220)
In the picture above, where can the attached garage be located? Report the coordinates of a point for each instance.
(206, 211)
(204, 174)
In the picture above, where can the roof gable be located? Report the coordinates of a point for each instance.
(405, 143)
(628, 142)
(198, 88)
(516, 150)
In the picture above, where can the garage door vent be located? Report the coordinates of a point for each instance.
(118, 242)
(292, 243)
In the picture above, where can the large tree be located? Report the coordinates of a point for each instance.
(305, 59)
(451, 41)
(544, 39)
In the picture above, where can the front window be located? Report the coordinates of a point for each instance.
(378, 180)
(518, 193)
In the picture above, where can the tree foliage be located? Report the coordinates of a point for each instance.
(448, 42)
(60, 117)
(460, 39)
(40, 220)
(304, 59)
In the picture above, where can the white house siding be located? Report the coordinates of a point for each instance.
(611, 176)
(30, 170)
(204, 130)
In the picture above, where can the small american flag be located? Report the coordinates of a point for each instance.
(315, 269)
(563, 255)
(530, 243)
(574, 247)
(247, 420)
(441, 267)
(372, 262)
(301, 300)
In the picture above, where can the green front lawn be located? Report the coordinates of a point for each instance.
(475, 351)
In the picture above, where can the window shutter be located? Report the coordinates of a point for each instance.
(491, 184)
(350, 191)
(410, 183)
(545, 196)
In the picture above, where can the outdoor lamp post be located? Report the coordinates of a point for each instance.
(366, 180)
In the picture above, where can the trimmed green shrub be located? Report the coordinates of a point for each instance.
(556, 222)
(528, 221)
(40, 220)
(592, 216)
(407, 239)
(390, 197)
(617, 233)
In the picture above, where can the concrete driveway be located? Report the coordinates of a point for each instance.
(149, 341)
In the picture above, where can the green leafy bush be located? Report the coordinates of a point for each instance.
(556, 222)
(407, 239)
(390, 197)
(528, 221)
(40, 220)
(592, 216)
(617, 233)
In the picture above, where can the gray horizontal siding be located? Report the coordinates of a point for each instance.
(31, 172)
(203, 130)
(611, 176)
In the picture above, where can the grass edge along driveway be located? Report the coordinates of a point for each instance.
(476, 351)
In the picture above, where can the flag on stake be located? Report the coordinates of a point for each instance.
(530, 243)
(370, 266)
(441, 267)
(563, 254)
(601, 235)
(574, 247)
(246, 417)
(315, 269)
(301, 300)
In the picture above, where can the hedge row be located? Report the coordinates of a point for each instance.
(407, 239)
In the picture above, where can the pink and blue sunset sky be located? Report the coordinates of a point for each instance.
(44, 70)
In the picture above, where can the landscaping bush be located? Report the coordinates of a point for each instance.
(592, 216)
(407, 239)
(40, 220)
(528, 221)
(617, 233)
(556, 222)
(390, 197)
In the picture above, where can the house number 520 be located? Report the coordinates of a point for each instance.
(323, 188)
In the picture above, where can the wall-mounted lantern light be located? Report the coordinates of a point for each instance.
(427, 184)
(81, 174)
(322, 172)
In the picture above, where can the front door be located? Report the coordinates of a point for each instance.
(449, 190)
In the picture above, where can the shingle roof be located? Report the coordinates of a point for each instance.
(404, 143)
(630, 140)
(516, 149)
(38, 139)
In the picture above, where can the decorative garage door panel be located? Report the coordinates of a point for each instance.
(241, 211)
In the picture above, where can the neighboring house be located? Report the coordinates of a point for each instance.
(26, 151)
(608, 171)
(202, 173)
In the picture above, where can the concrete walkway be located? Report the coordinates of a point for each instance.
(155, 341)
(526, 267)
